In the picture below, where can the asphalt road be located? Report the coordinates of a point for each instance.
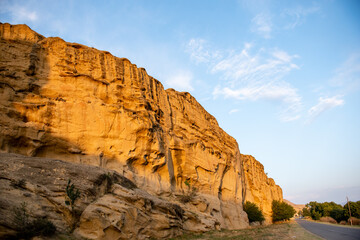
(330, 232)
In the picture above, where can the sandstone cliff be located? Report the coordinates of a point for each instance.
(67, 101)
(259, 188)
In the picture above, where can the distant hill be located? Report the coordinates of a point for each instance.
(297, 207)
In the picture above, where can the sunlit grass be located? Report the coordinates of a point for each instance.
(290, 230)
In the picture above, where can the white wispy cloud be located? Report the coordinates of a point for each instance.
(323, 105)
(249, 74)
(233, 111)
(346, 80)
(270, 91)
(260, 76)
(263, 66)
(181, 80)
(199, 51)
(298, 15)
(20, 13)
(262, 24)
(347, 76)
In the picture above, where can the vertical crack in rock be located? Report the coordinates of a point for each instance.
(221, 181)
(170, 165)
(34, 58)
(243, 182)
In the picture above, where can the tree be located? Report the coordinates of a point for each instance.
(338, 214)
(332, 209)
(253, 212)
(316, 210)
(306, 212)
(315, 215)
(327, 207)
(354, 208)
(281, 211)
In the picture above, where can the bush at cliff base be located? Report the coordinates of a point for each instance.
(253, 212)
(281, 211)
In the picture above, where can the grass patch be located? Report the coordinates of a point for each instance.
(290, 230)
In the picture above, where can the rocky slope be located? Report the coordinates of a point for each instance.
(259, 188)
(297, 207)
(110, 206)
(70, 102)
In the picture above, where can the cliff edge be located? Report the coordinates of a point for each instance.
(71, 102)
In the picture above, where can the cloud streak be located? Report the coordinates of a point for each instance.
(298, 15)
(347, 76)
(252, 75)
(232, 111)
(262, 25)
(323, 105)
(199, 51)
(259, 76)
(20, 14)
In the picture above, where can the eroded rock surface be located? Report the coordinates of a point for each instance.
(67, 101)
(260, 189)
(106, 209)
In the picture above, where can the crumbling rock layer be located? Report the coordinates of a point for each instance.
(75, 103)
(110, 206)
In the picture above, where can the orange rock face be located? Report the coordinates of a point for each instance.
(260, 189)
(75, 103)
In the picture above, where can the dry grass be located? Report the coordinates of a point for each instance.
(355, 221)
(341, 224)
(290, 230)
(328, 219)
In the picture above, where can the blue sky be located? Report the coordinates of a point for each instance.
(282, 77)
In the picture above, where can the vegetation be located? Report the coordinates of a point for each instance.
(72, 193)
(354, 208)
(340, 213)
(189, 195)
(281, 211)
(253, 212)
(20, 184)
(27, 228)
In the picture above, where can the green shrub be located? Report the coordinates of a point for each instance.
(306, 212)
(189, 195)
(253, 212)
(315, 215)
(281, 211)
(338, 214)
(72, 193)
